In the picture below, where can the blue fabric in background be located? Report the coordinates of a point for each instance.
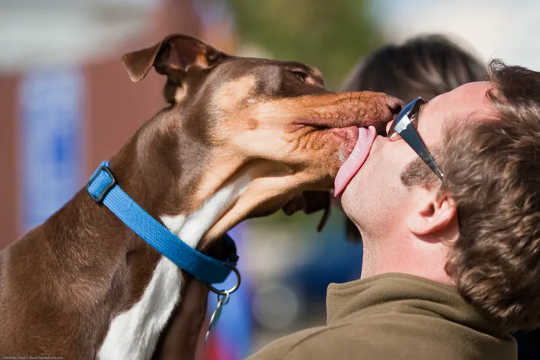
(234, 328)
(50, 141)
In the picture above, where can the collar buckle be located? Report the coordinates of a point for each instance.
(101, 182)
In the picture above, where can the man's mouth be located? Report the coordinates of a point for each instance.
(364, 139)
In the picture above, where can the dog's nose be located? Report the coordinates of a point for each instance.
(394, 104)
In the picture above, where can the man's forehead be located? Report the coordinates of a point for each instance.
(467, 102)
(473, 94)
(475, 100)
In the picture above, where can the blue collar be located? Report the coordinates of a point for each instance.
(103, 188)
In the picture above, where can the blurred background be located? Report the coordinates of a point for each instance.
(67, 104)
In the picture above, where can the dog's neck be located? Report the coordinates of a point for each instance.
(191, 227)
(176, 176)
(137, 328)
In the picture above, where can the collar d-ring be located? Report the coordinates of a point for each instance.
(231, 290)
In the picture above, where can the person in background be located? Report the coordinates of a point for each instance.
(448, 207)
(424, 66)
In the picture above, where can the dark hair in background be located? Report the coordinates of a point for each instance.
(423, 66)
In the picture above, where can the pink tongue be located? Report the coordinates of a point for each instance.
(355, 161)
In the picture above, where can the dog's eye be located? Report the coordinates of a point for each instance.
(300, 75)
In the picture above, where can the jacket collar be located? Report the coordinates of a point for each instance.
(396, 292)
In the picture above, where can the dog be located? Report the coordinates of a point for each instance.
(240, 137)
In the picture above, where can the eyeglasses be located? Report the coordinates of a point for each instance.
(405, 126)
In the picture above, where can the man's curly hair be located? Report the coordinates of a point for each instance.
(492, 170)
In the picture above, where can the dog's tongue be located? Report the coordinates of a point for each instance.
(354, 162)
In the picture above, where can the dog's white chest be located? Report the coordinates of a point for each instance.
(134, 333)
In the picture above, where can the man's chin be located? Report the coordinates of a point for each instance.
(347, 200)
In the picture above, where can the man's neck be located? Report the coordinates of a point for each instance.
(405, 255)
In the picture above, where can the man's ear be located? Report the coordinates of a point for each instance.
(432, 212)
(172, 57)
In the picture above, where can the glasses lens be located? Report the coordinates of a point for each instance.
(408, 111)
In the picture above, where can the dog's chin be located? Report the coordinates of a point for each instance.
(310, 202)
(335, 145)
(347, 138)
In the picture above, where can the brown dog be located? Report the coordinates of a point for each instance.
(241, 137)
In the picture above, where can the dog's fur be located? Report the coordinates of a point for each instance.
(241, 137)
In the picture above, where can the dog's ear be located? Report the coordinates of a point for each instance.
(172, 57)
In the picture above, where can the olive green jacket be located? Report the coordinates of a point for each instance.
(396, 316)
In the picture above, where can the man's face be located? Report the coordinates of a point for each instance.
(376, 200)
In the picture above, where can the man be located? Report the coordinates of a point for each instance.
(451, 250)
(425, 66)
